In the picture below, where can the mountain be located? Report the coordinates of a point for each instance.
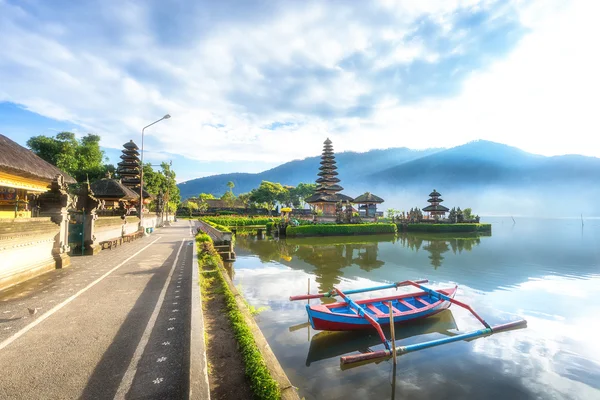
(352, 167)
(488, 163)
(491, 178)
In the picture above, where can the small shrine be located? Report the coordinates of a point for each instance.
(327, 194)
(368, 204)
(114, 194)
(435, 209)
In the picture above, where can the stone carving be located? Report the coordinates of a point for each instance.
(87, 203)
(53, 204)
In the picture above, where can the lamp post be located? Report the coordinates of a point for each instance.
(167, 116)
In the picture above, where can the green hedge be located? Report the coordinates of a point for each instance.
(270, 227)
(448, 227)
(217, 226)
(339, 230)
(239, 221)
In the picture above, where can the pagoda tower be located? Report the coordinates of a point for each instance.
(435, 208)
(327, 181)
(129, 168)
(326, 195)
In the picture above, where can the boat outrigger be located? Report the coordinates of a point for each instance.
(351, 315)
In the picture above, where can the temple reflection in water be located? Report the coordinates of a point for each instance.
(329, 256)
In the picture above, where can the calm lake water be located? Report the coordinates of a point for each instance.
(546, 271)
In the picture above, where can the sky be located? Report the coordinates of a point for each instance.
(256, 83)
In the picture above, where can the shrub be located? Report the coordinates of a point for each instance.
(339, 230)
(218, 227)
(449, 228)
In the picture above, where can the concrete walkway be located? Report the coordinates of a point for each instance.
(116, 325)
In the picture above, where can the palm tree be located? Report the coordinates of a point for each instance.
(230, 185)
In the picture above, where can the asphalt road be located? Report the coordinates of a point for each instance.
(115, 325)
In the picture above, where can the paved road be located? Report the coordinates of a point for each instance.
(116, 325)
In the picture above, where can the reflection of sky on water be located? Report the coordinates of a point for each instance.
(556, 356)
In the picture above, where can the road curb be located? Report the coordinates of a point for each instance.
(199, 388)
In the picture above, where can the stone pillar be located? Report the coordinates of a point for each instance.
(87, 203)
(54, 204)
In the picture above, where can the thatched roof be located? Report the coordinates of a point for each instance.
(336, 188)
(437, 208)
(112, 189)
(368, 198)
(327, 141)
(327, 198)
(434, 193)
(17, 160)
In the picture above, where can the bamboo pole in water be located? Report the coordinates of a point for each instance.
(392, 331)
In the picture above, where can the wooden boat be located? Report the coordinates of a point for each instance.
(341, 316)
(351, 315)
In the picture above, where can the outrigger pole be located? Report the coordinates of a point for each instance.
(488, 330)
(335, 292)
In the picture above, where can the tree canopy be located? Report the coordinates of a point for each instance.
(80, 158)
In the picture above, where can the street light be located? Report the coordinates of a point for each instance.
(167, 116)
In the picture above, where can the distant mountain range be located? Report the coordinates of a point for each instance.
(494, 178)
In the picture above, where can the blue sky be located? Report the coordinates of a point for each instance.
(252, 84)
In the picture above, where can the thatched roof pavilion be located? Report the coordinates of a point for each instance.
(19, 162)
(23, 173)
(368, 202)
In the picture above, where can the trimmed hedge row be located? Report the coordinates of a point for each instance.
(448, 228)
(238, 221)
(339, 230)
(218, 227)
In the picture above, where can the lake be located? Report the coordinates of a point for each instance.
(544, 270)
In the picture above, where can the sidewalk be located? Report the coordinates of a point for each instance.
(116, 325)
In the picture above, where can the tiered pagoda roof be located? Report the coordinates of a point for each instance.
(435, 207)
(129, 168)
(327, 183)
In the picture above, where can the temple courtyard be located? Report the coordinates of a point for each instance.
(115, 325)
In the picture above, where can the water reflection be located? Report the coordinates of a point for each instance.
(326, 345)
(543, 270)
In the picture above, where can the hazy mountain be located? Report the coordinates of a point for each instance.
(491, 178)
(352, 167)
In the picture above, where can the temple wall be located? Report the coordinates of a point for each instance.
(26, 248)
(106, 228)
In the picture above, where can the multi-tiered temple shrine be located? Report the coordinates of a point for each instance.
(129, 168)
(435, 209)
(327, 193)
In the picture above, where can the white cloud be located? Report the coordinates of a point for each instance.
(309, 67)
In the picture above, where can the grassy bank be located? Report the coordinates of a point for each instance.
(442, 228)
(212, 283)
(339, 230)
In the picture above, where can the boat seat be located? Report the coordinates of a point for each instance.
(410, 306)
(375, 310)
(422, 301)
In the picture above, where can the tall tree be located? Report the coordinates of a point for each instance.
(268, 193)
(82, 159)
(230, 185)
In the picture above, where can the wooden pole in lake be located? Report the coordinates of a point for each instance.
(393, 333)
(582, 220)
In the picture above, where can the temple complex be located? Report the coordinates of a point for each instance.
(435, 209)
(23, 176)
(327, 193)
